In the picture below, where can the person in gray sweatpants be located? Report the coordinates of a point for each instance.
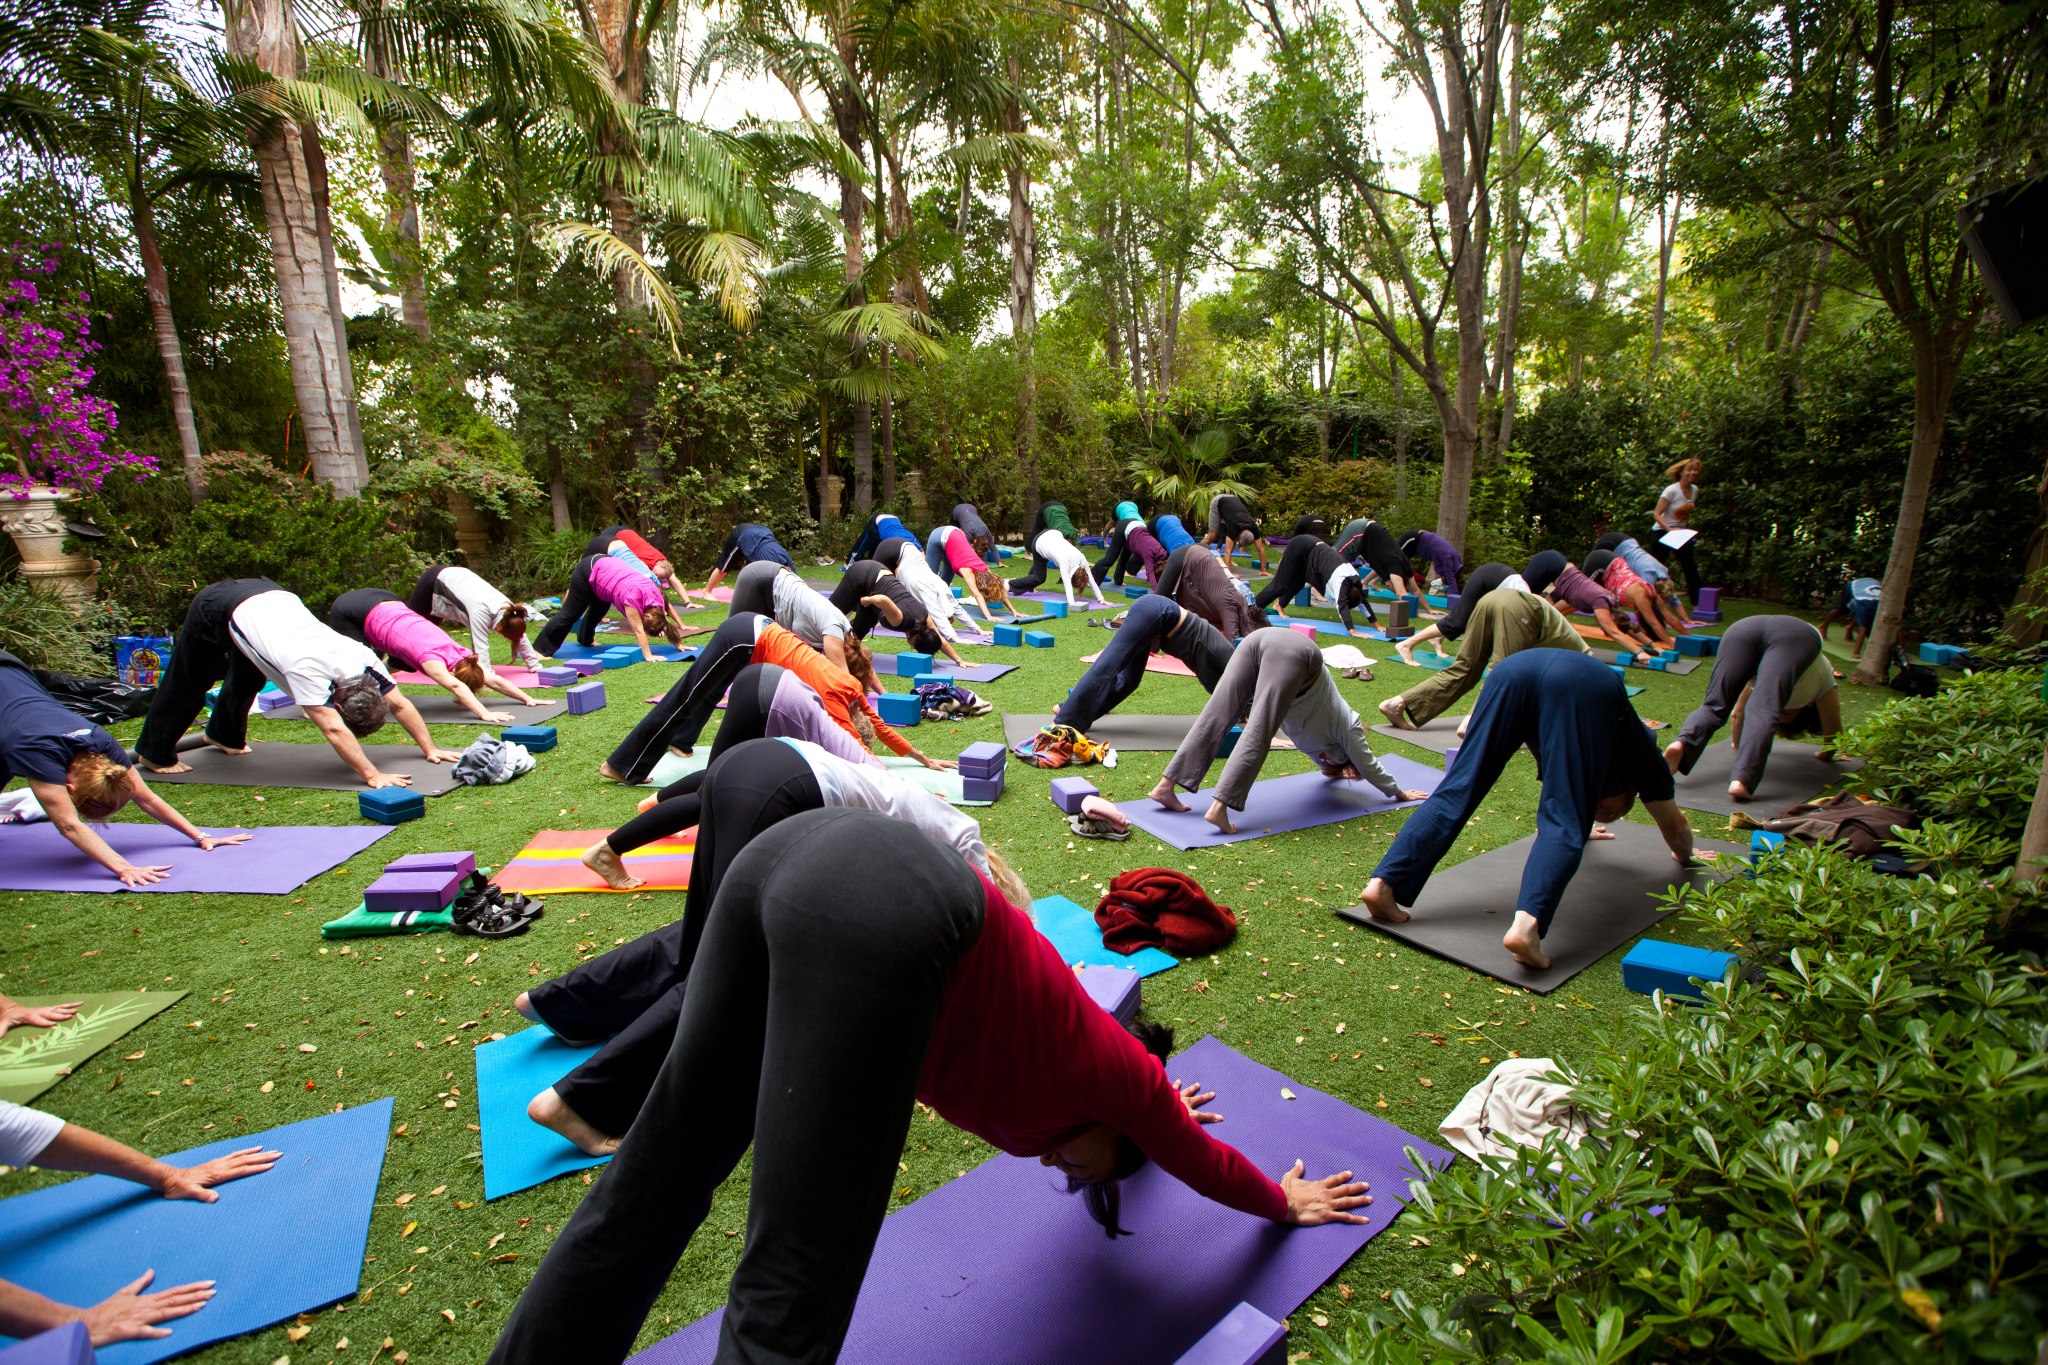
(1770, 674)
(1276, 682)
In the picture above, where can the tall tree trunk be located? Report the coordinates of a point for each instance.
(156, 283)
(2034, 838)
(401, 189)
(1501, 379)
(1937, 363)
(558, 490)
(316, 167)
(1023, 295)
(315, 346)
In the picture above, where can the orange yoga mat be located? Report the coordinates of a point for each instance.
(552, 863)
(1154, 663)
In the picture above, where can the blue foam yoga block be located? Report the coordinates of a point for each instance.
(1763, 843)
(1657, 663)
(1694, 646)
(1229, 742)
(921, 679)
(1301, 599)
(900, 708)
(1038, 639)
(1654, 965)
(1245, 1336)
(537, 739)
(390, 805)
(958, 592)
(1132, 589)
(1619, 671)
(910, 663)
(1009, 635)
(1058, 609)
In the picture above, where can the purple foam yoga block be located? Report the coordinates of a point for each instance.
(396, 891)
(1069, 792)
(585, 698)
(1711, 615)
(70, 1344)
(1450, 756)
(981, 788)
(1113, 988)
(1710, 598)
(1245, 1336)
(983, 754)
(273, 701)
(557, 675)
(583, 668)
(461, 864)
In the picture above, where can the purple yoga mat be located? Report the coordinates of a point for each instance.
(885, 664)
(1084, 604)
(1280, 805)
(1001, 1267)
(279, 859)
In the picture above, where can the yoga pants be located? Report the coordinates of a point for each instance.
(581, 607)
(1116, 673)
(1686, 557)
(1041, 567)
(205, 654)
(1484, 580)
(1268, 671)
(1772, 651)
(1504, 623)
(683, 711)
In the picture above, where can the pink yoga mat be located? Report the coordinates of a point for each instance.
(1154, 663)
(518, 677)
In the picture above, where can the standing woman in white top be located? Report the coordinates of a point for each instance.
(1674, 513)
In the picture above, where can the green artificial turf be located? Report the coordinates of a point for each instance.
(1395, 1031)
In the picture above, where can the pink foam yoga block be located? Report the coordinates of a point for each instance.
(461, 864)
(1069, 792)
(396, 891)
(1299, 629)
(585, 698)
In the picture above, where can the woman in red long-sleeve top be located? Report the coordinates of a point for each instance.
(820, 1005)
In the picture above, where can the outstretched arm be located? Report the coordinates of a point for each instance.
(160, 810)
(458, 689)
(414, 724)
(328, 721)
(1672, 824)
(56, 801)
(639, 627)
(1614, 632)
(497, 682)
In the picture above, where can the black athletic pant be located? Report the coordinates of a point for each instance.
(1040, 565)
(1685, 557)
(1153, 623)
(205, 653)
(633, 994)
(684, 710)
(1771, 651)
(1307, 562)
(421, 601)
(580, 601)
(746, 717)
(812, 1004)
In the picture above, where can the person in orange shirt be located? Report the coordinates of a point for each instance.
(676, 721)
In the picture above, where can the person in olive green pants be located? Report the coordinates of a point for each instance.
(1505, 622)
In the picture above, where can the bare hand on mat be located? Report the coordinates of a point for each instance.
(209, 842)
(391, 779)
(197, 1182)
(131, 1315)
(33, 1016)
(131, 875)
(1194, 1097)
(448, 755)
(1329, 1200)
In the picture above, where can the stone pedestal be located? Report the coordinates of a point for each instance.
(472, 531)
(831, 499)
(920, 507)
(36, 525)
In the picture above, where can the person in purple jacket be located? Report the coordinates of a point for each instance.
(598, 584)
(1551, 575)
(1441, 555)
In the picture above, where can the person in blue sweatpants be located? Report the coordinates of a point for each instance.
(1153, 623)
(881, 526)
(1594, 758)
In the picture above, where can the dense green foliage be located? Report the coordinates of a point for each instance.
(45, 630)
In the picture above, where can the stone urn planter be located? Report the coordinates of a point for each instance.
(36, 525)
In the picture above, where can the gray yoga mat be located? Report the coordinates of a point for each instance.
(1464, 910)
(1138, 734)
(1436, 735)
(439, 708)
(1795, 773)
(313, 767)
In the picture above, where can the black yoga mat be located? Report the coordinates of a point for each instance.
(1795, 773)
(1464, 910)
(313, 767)
(1138, 734)
(439, 708)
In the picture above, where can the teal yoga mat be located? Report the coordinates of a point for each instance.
(278, 1244)
(519, 1153)
(1323, 627)
(1072, 930)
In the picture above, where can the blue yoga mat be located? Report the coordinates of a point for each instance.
(1325, 627)
(1072, 930)
(672, 654)
(278, 1244)
(519, 1153)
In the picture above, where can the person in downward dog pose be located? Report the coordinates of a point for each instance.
(1612, 572)
(968, 518)
(747, 543)
(598, 584)
(1432, 549)
(1276, 682)
(1197, 580)
(948, 552)
(1311, 561)
(378, 619)
(1484, 580)
(1066, 559)
(456, 596)
(639, 554)
(1154, 624)
(1594, 758)
(1051, 516)
(773, 591)
(1771, 678)
(1551, 575)
(1130, 544)
(1366, 542)
(1232, 525)
(871, 595)
(927, 985)
(1504, 622)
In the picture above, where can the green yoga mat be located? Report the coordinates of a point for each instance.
(944, 785)
(34, 1059)
(362, 922)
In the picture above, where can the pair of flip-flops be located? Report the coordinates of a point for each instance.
(1089, 827)
(487, 911)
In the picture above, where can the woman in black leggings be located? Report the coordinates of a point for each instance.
(1310, 562)
(821, 1007)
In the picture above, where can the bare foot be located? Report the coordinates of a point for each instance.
(174, 768)
(1674, 754)
(1167, 797)
(1392, 709)
(609, 773)
(1219, 816)
(600, 859)
(1405, 650)
(648, 802)
(1098, 808)
(547, 1110)
(1461, 726)
(1738, 791)
(1524, 942)
(1378, 900)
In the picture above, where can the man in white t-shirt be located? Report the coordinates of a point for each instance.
(240, 632)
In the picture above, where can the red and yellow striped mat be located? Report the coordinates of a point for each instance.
(551, 863)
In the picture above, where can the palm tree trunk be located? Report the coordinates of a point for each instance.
(156, 283)
(316, 348)
(1023, 297)
(402, 215)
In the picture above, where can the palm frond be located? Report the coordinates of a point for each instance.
(614, 255)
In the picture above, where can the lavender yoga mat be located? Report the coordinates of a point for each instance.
(1001, 1267)
(1280, 805)
(1325, 627)
(281, 858)
(946, 668)
(1084, 604)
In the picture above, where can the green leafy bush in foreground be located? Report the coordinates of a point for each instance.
(45, 630)
(1969, 756)
(1839, 1158)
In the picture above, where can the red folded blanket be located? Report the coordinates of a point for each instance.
(1156, 907)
